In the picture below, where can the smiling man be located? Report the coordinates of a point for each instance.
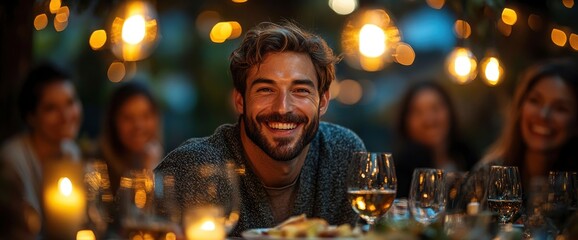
(290, 162)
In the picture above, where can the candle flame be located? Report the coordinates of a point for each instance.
(65, 186)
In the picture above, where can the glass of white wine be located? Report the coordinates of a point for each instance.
(504, 192)
(371, 185)
(427, 195)
(562, 200)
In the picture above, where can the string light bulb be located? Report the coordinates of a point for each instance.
(134, 30)
(369, 40)
(492, 69)
(461, 65)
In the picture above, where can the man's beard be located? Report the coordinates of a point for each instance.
(281, 151)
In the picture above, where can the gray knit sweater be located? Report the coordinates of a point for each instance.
(321, 185)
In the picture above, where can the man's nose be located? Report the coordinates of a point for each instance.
(283, 103)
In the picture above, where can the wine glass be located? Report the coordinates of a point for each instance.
(371, 184)
(562, 199)
(427, 195)
(212, 201)
(98, 195)
(504, 192)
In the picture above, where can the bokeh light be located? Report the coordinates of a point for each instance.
(568, 3)
(573, 40)
(343, 7)
(509, 16)
(492, 70)
(461, 65)
(65, 186)
(334, 89)
(116, 72)
(372, 41)
(462, 29)
(369, 39)
(559, 37)
(436, 4)
(40, 21)
(62, 14)
(535, 22)
(350, 92)
(220, 32)
(239, 1)
(404, 54)
(206, 20)
(134, 31)
(97, 39)
(54, 5)
(85, 235)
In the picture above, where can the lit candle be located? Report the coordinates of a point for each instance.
(473, 208)
(64, 199)
(205, 224)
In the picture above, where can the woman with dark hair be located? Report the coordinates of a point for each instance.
(428, 134)
(541, 132)
(51, 111)
(132, 131)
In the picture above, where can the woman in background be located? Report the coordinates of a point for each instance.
(132, 132)
(541, 132)
(51, 111)
(428, 134)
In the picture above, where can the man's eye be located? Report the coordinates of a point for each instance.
(264, 90)
(302, 90)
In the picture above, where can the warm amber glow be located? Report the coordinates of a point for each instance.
(492, 70)
(509, 16)
(404, 54)
(461, 65)
(171, 236)
(239, 1)
(133, 29)
(559, 37)
(343, 7)
(351, 92)
(220, 32)
(568, 3)
(208, 226)
(372, 40)
(462, 29)
(505, 29)
(65, 186)
(97, 39)
(54, 5)
(40, 21)
(535, 22)
(334, 89)
(116, 72)
(236, 29)
(436, 4)
(573, 40)
(140, 198)
(85, 235)
(62, 14)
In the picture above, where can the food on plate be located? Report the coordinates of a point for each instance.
(303, 227)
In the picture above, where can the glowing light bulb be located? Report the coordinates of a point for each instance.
(509, 16)
(208, 226)
(492, 70)
(134, 29)
(461, 65)
(372, 40)
(65, 186)
(343, 7)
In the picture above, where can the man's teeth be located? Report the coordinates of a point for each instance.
(283, 126)
(541, 130)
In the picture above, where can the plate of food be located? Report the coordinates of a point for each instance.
(301, 227)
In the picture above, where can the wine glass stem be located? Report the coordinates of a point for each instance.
(370, 224)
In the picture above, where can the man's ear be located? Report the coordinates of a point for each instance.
(239, 101)
(324, 102)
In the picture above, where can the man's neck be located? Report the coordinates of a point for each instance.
(271, 172)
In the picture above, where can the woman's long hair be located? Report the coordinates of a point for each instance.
(510, 146)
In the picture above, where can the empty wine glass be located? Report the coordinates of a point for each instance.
(504, 192)
(562, 199)
(427, 197)
(371, 184)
